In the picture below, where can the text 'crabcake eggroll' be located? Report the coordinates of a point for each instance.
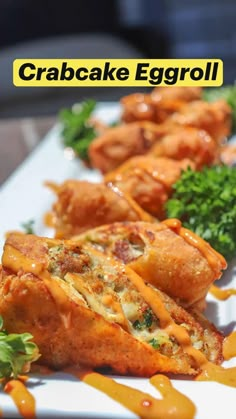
(187, 142)
(165, 254)
(86, 309)
(149, 180)
(118, 144)
(83, 205)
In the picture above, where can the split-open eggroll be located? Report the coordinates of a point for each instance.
(85, 308)
(165, 254)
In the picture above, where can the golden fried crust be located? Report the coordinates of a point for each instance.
(198, 325)
(83, 205)
(120, 143)
(87, 339)
(187, 142)
(161, 257)
(215, 118)
(86, 313)
(158, 105)
(149, 180)
(138, 107)
(185, 94)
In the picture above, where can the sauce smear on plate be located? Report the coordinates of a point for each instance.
(173, 405)
(221, 294)
(229, 346)
(22, 398)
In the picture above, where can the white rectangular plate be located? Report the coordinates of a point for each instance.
(23, 197)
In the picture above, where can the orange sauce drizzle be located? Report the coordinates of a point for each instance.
(142, 167)
(143, 215)
(212, 256)
(49, 219)
(174, 405)
(212, 372)
(229, 346)
(15, 260)
(209, 371)
(221, 294)
(22, 398)
(166, 321)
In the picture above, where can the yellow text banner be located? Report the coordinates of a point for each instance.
(117, 72)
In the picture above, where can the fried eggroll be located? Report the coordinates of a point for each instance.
(165, 254)
(141, 107)
(184, 94)
(158, 105)
(214, 117)
(148, 180)
(118, 144)
(82, 205)
(84, 308)
(188, 142)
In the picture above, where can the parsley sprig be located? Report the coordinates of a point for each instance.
(77, 132)
(206, 203)
(28, 227)
(16, 353)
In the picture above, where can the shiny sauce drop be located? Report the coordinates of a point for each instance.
(221, 294)
(229, 346)
(212, 372)
(22, 398)
(173, 405)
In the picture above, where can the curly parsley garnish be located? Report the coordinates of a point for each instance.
(77, 132)
(205, 202)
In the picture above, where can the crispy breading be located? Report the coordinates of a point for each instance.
(93, 314)
(187, 142)
(118, 144)
(214, 117)
(149, 180)
(185, 94)
(158, 105)
(82, 205)
(162, 257)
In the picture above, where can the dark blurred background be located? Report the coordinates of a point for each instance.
(107, 29)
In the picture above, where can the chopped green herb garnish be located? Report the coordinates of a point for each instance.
(138, 325)
(16, 353)
(146, 322)
(148, 317)
(154, 343)
(205, 202)
(28, 227)
(77, 132)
